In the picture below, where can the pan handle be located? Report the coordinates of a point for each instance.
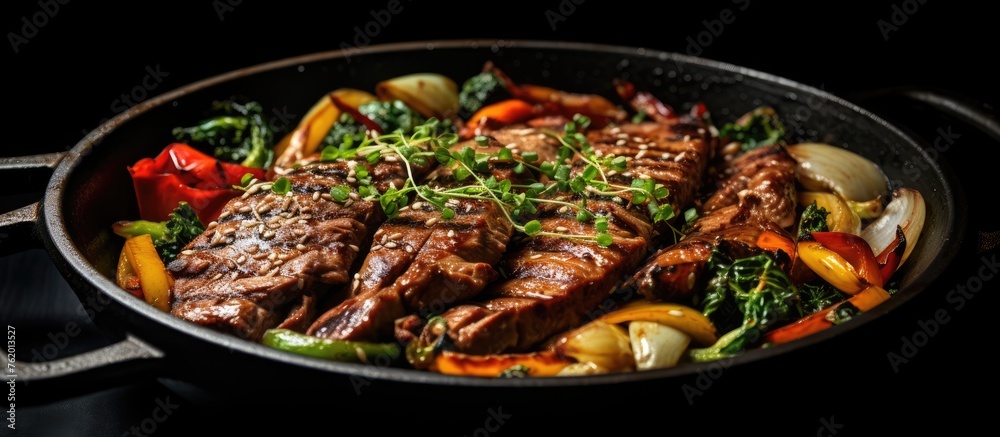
(27, 174)
(960, 107)
(130, 359)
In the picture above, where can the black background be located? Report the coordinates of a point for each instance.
(64, 80)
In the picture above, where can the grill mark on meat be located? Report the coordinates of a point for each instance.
(756, 192)
(547, 294)
(268, 258)
(416, 267)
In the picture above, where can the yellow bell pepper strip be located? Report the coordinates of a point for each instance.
(890, 258)
(544, 363)
(328, 349)
(821, 320)
(855, 250)
(154, 279)
(683, 318)
(829, 264)
(125, 276)
(308, 136)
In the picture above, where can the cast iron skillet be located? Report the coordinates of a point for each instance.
(90, 189)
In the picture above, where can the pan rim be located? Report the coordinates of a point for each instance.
(61, 242)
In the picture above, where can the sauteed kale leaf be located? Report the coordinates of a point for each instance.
(758, 128)
(240, 134)
(476, 91)
(745, 297)
(391, 116)
(813, 220)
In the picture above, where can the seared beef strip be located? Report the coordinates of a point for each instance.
(552, 282)
(756, 193)
(264, 262)
(422, 264)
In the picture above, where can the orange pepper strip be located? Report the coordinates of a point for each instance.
(816, 322)
(772, 241)
(545, 363)
(501, 113)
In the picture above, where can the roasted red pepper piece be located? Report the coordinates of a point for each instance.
(645, 102)
(182, 173)
(355, 113)
(888, 261)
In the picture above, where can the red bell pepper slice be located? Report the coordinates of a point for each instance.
(888, 261)
(355, 113)
(855, 250)
(182, 173)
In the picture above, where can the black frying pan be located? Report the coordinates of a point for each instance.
(90, 189)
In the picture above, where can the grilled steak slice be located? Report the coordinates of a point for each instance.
(551, 282)
(422, 264)
(269, 255)
(756, 194)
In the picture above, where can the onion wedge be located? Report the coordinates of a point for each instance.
(432, 95)
(604, 344)
(655, 345)
(823, 167)
(906, 210)
(315, 125)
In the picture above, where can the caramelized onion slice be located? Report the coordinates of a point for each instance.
(604, 344)
(432, 95)
(655, 345)
(823, 167)
(906, 209)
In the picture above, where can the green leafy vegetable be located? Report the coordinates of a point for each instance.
(814, 297)
(476, 91)
(169, 237)
(281, 186)
(759, 128)
(515, 371)
(748, 295)
(239, 135)
(813, 220)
